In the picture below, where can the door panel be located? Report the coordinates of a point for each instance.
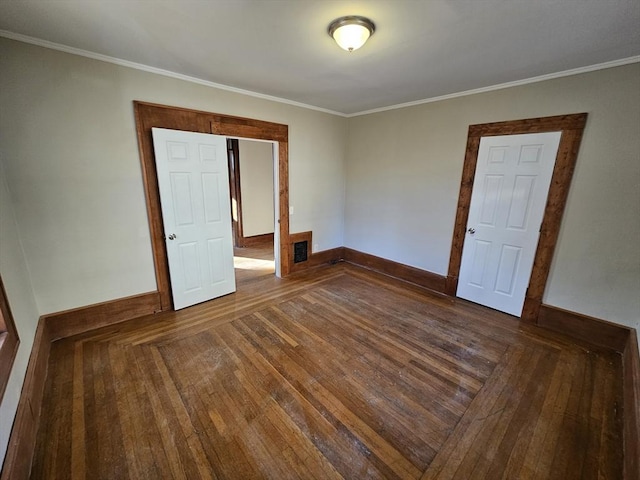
(182, 198)
(521, 202)
(510, 189)
(194, 196)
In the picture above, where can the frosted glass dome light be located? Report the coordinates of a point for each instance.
(351, 32)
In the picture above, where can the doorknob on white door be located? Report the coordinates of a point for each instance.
(471, 230)
(172, 236)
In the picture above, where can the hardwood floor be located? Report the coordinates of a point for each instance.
(253, 263)
(333, 373)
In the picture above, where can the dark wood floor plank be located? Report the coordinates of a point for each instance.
(544, 443)
(334, 372)
(469, 428)
(369, 393)
(492, 424)
(329, 405)
(59, 389)
(446, 369)
(515, 434)
(135, 408)
(328, 435)
(382, 390)
(78, 427)
(195, 455)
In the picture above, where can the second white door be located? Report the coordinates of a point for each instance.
(510, 188)
(193, 181)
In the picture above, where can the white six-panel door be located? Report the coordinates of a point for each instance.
(193, 180)
(510, 190)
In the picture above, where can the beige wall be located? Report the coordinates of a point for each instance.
(404, 168)
(67, 137)
(256, 187)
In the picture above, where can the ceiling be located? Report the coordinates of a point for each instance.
(422, 49)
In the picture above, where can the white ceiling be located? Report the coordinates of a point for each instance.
(421, 49)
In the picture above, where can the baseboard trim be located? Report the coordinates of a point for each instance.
(423, 278)
(315, 259)
(17, 462)
(52, 327)
(83, 319)
(582, 327)
(631, 407)
(333, 255)
(255, 240)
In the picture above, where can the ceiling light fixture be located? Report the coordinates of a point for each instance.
(351, 32)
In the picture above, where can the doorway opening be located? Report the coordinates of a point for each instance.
(572, 127)
(149, 115)
(252, 187)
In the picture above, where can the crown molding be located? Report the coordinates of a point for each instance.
(159, 71)
(517, 83)
(146, 68)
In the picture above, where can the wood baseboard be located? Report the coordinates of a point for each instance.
(582, 327)
(256, 240)
(423, 278)
(83, 319)
(17, 462)
(315, 259)
(631, 417)
(320, 258)
(333, 255)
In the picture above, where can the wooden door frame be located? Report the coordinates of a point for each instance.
(9, 340)
(233, 158)
(572, 127)
(149, 115)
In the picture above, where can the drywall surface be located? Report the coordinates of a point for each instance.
(67, 135)
(17, 284)
(403, 178)
(256, 187)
